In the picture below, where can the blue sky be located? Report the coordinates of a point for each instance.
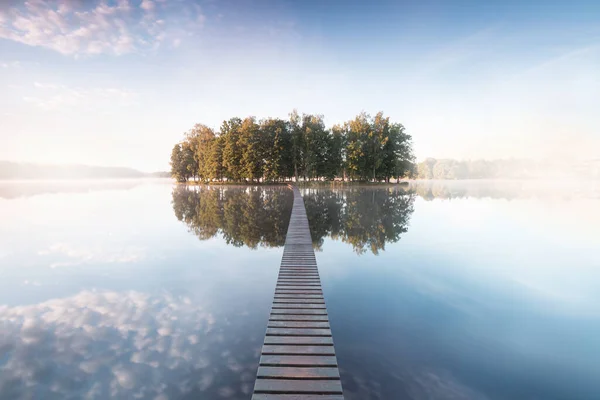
(118, 82)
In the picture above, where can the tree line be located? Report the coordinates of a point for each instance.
(432, 168)
(365, 148)
(366, 219)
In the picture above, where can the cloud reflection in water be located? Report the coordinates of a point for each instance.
(119, 345)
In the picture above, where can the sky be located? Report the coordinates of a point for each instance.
(118, 82)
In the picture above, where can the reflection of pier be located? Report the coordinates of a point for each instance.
(298, 358)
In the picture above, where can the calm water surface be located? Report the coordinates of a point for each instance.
(459, 290)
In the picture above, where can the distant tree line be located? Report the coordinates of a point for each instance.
(432, 168)
(366, 219)
(302, 148)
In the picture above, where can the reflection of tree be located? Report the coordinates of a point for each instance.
(250, 216)
(499, 189)
(364, 218)
(258, 216)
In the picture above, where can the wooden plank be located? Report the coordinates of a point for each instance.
(309, 279)
(299, 270)
(298, 311)
(298, 373)
(299, 305)
(308, 293)
(299, 278)
(285, 350)
(298, 332)
(299, 301)
(269, 396)
(298, 324)
(298, 296)
(293, 386)
(298, 340)
(293, 317)
(303, 361)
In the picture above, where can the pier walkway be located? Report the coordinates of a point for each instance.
(298, 359)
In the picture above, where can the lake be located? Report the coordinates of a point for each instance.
(442, 290)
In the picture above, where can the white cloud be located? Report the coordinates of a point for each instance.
(10, 64)
(50, 96)
(147, 5)
(96, 27)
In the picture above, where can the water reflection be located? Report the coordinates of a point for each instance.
(106, 344)
(364, 218)
(507, 190)
(251, 217)
(103, 293)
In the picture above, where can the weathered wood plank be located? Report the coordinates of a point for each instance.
(303, 361)
(298, 301)
(301, 283)
(293, 386)
(298, 311)
(284, 350)
(298, 373)
(298, 332)
(298, 296)
(298, 324)
(299, 305)
(308, 293)
(298, 340)
(292, 317)
(269, 396)
(299, 278)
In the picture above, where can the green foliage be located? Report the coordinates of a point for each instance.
(252, 149)
(200, 139)
(230, 131)
(364, 149)
(183, 165)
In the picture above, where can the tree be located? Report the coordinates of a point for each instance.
(182, 163)
(252, 150)
(314, 149)
(200, 139)
(356, 145)
(215, 168)
(274, 133)
(364, 148)
(296, 142)
(232, 154)
(177, 170)
(337, 154)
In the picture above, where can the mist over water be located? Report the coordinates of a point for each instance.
(442, 289)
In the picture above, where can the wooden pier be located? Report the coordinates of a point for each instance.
(298, 359)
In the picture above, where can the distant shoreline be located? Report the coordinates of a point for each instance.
(12, 171)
